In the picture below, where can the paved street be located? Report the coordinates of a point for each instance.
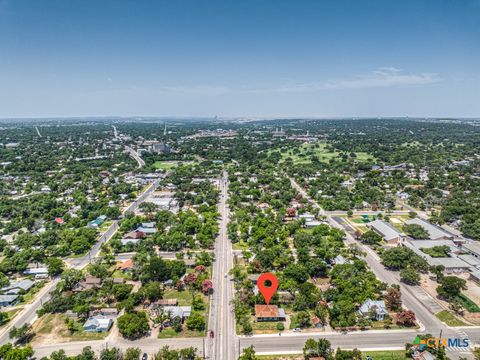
(225, 344)
(146, 345)
(423, 306)
(135, 156)
(28, 314)
(221, 317)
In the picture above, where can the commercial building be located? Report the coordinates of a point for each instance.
(434, 232)
(391, 235)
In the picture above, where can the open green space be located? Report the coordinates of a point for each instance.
(165, 165)
(468, 304)
(304, 154)
(170, 333)
(184, 297)
(449, 319)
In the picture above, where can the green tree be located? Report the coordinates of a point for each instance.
(451, 286)
(370, 237)
(23, 333)
(196, 321)
(415, 231)
(111, 354)
(133, 325)
(409, 276)
(86, 354)
(248, 354)
(132, 354)
(55, 266)
(320, 348)
(354, 354)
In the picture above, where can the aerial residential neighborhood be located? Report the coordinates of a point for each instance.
(239, 180)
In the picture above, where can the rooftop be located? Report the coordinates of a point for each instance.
(435, 232)
(384, 228)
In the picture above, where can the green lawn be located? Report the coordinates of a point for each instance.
(165, 165)
(385, 355)
(468, 304)
(184, 297)
(105, 225)
(11, 314)
(240, 246)
(170, 333)
(120, 274)
(449, 319)
(307, 151)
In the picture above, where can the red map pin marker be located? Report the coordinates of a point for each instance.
(267, 291)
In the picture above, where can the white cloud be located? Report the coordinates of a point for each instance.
(379, 78)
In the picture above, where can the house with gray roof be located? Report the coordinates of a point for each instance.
(15, 287)
(181, 311)
(97, 324)
(147, 228)
(8, 300)
(375, 307)
(472, 247)
(36, 271)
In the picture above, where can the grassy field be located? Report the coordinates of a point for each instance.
(468, 304)
(184, 297)
(307, 151)
(120, 274)
(11, 314)
(170, 333)
(165, 165)
(105, 225)
(449, 318)
(52, 327)
(240, 246)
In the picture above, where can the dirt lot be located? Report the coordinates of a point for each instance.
(51, 328)
(430, 286)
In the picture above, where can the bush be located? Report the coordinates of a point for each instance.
(280, 327)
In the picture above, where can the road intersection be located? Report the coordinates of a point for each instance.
(226, 345)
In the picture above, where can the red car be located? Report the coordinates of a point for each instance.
(211, 334)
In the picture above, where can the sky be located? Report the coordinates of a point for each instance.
(243, 58)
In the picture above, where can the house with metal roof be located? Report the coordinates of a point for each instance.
(391, 235)
(181, 311)
(434, 232)
(377, 307)
(8, 300)
(16, 287)
(36, 271)
(97, 324)
(472, 247)
(147, 228)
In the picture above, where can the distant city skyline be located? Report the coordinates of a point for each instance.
(240, 59)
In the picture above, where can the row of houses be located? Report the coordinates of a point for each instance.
(9, 294)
